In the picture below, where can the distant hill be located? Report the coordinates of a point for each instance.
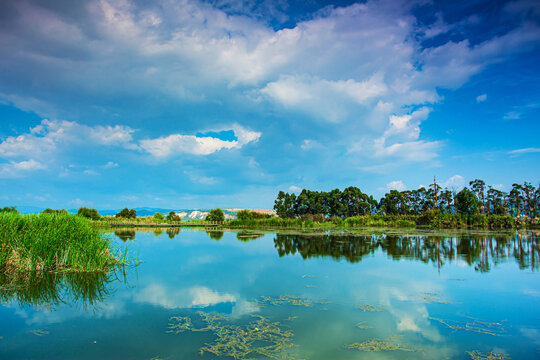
(185, 214)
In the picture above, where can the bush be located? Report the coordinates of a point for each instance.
(91, 214)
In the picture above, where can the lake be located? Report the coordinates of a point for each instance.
(384, 294)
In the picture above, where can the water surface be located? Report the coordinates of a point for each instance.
(286, 295)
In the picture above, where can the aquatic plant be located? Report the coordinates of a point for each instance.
(388, 344)
(477, 355)
(431, 297)
(57, 242)
(286, 300)
(39, 332)
(367, 307)
(474, 325)
(259, 337)
(362, 325)
(178, 324)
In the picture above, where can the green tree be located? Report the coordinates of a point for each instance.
(91, 214)
(394, 203)
(466, 202)
(12, 209)
(158, 216)
(173, 217)
(53, 211)
(244, 215)
(478, 186)
(127, 214)
(216, 215)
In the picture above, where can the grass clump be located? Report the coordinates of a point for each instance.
(52, 242)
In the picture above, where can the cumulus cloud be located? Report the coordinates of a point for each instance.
(18, 169)
(396, 185)
(455, 182)
(177, 144)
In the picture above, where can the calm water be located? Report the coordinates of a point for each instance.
(418, 296)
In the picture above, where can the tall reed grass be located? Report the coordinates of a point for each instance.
(55, 242)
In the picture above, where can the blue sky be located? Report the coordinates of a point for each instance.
(198, 104)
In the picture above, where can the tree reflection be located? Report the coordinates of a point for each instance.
(480, 251)
(125, 234)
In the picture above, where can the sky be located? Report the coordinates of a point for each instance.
(199, 104)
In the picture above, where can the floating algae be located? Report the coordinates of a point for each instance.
(307, 275)
(290, 318)
(474, 325)
(259, 337)
(477, 355)
(39, 332)
(388, 344)
(178, 324)
(311, 286)
(431, 297)
(370, 308)
(362, 325)
(286, 300)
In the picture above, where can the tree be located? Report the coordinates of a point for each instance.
(53, 211)
(158, 216)
(91, 214)
(12, 209)
(466, 202)
(244, 215)
(216, 215)
(127, 214)
(394, 203)
(173, 217)
(478, 186)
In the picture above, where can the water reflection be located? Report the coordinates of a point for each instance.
(48, 290)
(215, 235)
(125, 234)
(481, 251)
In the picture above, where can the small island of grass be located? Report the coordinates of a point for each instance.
(53, 242)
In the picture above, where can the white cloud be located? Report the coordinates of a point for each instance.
(158, 294)
(481, 98)
(19, 169)
(455, 182)
(413, 151)
(512, 115)
(177, 144)
(396, 185)
(294, 189)
(185, 144)
(529, 150)
(110, 165)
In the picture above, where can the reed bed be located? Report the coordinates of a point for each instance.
(53, 242)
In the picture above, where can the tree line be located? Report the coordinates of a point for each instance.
(522, 200)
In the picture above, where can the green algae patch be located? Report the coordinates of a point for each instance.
(474, 325)
(388, 344)
(260, 337)
(363, 325)
(477, 355)
(286, 300)
(370, 308)
(431, 297)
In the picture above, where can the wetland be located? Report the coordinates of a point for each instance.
(223, 294)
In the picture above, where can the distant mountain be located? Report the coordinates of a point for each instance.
(185, 214)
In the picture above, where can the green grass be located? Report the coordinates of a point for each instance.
(53, 242)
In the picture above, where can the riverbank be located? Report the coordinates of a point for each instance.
(54, 242)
